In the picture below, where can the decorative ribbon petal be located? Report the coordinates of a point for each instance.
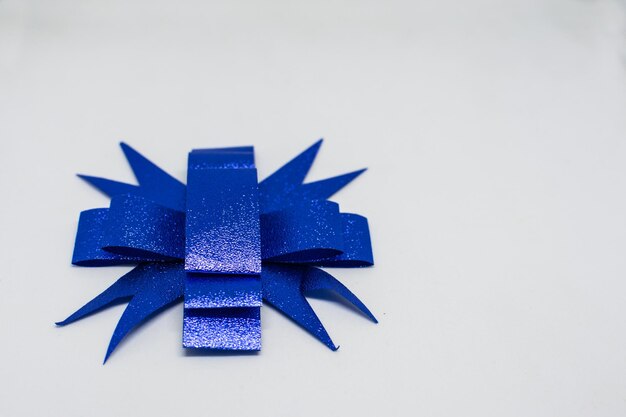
(285, 187)
(306, 232)
(163, 289)
(357, 246)
(110, 187)
(150, 288)
(323, 189)
(88, 245)
(154, 183)
(316, 234)
(137, 227)
(316, 280)
(275, 189)
(284, 287)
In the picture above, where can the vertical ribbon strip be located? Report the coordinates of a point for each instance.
(223, 251)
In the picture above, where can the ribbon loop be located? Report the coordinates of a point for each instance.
(357, 245)
(88, 244)
(316, 233)
(138, 227)
(301, 234)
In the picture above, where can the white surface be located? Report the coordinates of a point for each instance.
(494, 134)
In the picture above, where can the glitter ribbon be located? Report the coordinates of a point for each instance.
(223, 243)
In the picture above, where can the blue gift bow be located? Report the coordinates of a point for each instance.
(144, 225)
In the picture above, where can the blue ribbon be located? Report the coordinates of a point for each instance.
(222, 243)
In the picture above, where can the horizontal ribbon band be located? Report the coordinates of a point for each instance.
(135, 229)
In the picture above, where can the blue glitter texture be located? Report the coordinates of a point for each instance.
(223, 251)
(222, 243)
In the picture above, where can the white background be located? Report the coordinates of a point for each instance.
(494, 134)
